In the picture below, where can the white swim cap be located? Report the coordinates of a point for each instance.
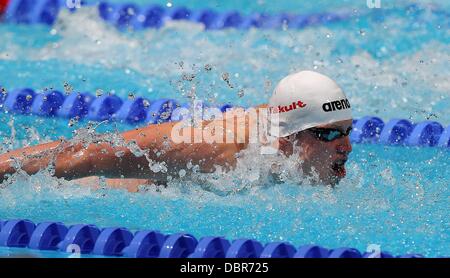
(306, 99)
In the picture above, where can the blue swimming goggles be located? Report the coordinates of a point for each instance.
(329, 134)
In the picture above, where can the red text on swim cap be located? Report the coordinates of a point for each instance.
(285, 108)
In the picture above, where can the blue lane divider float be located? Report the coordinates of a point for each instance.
(47, 104)
(396, 131)
(19, 101)
(145, 244)
(367, 129)
(211, 247)
(131, 16)
(32, 11)
(47, 235)
(118, 242)
(16, 233)
(345, 253)
(133, 110)
(104, 107)
(138, 110)
(75, 105)
(112, 241)
(178, 246)
(402, 132)
(245, 248)
(82, 236)
(311, 251)
(425, 134)
(444, 141)
(278, 250)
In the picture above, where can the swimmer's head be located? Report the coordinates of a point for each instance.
(309, 110)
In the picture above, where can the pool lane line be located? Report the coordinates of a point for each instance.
(137, 111)
(120, 242)
(130, 16)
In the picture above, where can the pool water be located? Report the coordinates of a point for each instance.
(391, 62)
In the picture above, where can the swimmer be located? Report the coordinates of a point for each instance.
(313, 115)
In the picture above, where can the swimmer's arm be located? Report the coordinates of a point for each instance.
(73, 161)
(76, 161)
(157, 141)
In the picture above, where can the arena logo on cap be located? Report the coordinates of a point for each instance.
(285, 108)
(338, 104)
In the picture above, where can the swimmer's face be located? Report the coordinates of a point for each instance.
(324, 156)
